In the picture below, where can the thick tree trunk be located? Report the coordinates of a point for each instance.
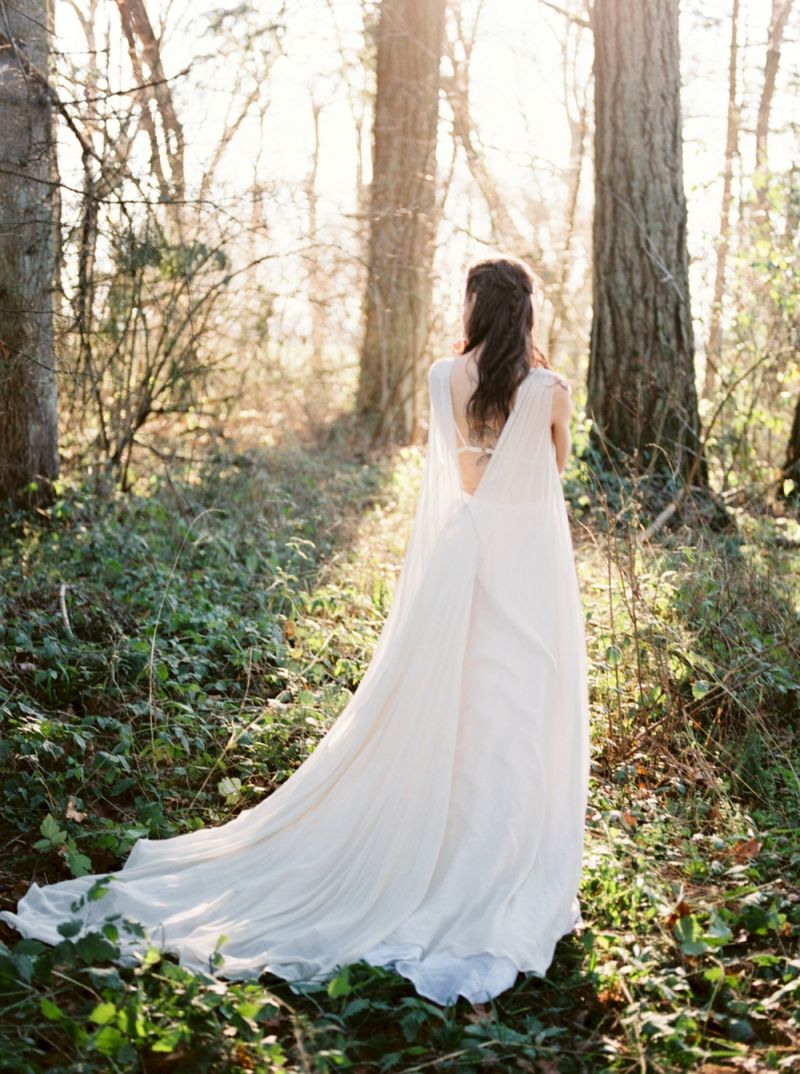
(714, 346)
(28, 200)
(402, 216)
(641, 388)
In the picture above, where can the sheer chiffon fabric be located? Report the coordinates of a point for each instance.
(437, 828)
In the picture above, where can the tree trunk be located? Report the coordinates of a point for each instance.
(714, 346)
(791, 468)
(28, 219)
(402, 216)
(504, 231)
(577, 118)
(641, 390)
(149, 73)
(777, 26)
(317, 278)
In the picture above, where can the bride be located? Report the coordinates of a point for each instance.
(437, 828)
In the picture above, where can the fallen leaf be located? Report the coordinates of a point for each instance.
(547, 1066)
(480, 1013)
(680, 910)
(71, 813)
(746, 849)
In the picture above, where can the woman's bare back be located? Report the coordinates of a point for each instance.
(474, 458)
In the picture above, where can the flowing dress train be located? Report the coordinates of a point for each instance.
(437, 828)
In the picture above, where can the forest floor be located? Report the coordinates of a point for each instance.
(169, 656)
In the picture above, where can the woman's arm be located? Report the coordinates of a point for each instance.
(562, 409)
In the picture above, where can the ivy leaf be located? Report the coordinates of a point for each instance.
(79, 864)
(340, 984)
(718, 932)
(53, 835)
(230, 788)
(613, 655)
(689, 934)
(107, 1040)
(50, 1010)
(68, 929)
(103, 1013)
(95, 948)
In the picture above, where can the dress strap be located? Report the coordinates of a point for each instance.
(466, 446)
(473, 447)
(460, 434)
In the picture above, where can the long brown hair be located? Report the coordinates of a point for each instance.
(503, 320)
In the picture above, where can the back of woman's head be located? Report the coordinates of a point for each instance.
(501, 322)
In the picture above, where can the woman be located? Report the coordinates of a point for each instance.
(437, 828)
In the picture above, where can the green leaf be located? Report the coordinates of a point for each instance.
(79, 864)
(230, 788)
(340, 984)
(151, 957)
(107, 1040)
(248, 1009)
(718, 931)
(98, 889)
(68, 929)
(613, 655)
(50, 1010)
(53, 835)
(103, 1013)
(169, 1040)
(95, 948)
(739, 1029)
(689, 934)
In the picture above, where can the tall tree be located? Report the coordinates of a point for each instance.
(777, 26)
(503, 229)
(28, 215)
(144, 50)
(714, 346)
(402, 216)
(641, 390)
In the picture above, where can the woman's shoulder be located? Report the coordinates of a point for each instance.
(552, 377)
(438, 365)
(444, 360)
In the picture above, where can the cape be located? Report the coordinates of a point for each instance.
(437, 828)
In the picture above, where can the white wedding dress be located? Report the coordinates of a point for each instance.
(437, 828)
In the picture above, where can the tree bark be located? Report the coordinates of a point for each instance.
(149, 72)
(402, 217)
(28, 221)
(791, 468)
(641, 389)
(714, 345)
(777, 27)
(577, 118)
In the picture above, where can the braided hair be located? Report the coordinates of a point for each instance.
(502, 319)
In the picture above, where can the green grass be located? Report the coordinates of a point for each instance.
(169, 658)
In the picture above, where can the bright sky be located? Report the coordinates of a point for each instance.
(517, 105)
